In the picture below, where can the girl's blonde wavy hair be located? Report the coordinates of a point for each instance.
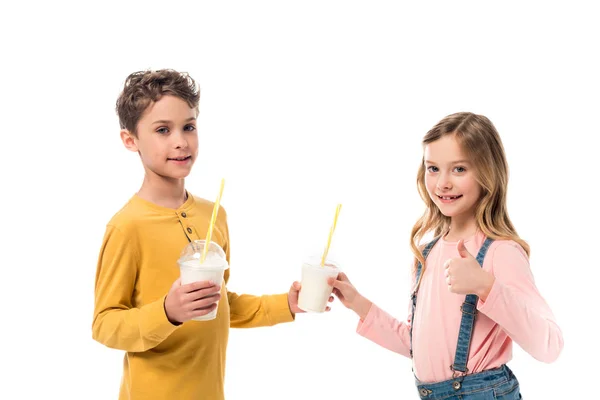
(481, 143)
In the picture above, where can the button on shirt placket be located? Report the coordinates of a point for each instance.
(189, 229)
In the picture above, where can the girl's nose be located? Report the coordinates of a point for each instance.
(444, 182)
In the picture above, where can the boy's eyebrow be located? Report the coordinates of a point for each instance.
(164, 121)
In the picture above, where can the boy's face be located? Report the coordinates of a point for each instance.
(167, 138)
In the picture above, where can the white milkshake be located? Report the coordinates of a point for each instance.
(315, 290)
(212, 269)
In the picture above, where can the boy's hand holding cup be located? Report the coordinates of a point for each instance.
(186, 302)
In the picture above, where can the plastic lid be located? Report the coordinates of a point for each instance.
(315, 261)
(193, 251)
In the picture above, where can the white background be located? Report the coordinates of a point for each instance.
(303, 105)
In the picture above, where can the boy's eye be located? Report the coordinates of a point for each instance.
(460, 169)
(431, 168)
(190, 128)
(162, 130)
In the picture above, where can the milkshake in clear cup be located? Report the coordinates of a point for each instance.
(212, 269)
(315, 291)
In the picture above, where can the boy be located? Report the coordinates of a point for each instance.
(140, 305)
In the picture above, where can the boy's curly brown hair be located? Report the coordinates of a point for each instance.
(145, 87)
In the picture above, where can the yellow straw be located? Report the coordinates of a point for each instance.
(212, 222)
(337, 212)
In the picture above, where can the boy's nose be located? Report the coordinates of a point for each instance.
(179, 141)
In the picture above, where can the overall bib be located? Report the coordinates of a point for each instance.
(496, 384)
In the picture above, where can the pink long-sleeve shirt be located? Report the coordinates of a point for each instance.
(513, 311)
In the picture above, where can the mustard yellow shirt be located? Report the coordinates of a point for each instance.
(136, 268)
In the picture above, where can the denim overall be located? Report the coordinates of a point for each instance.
(494, 384)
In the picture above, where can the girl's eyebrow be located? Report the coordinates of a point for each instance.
(452, 162)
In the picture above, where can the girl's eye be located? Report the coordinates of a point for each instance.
(162, 130)
(460, 169)
(431, 168)
(190, 128)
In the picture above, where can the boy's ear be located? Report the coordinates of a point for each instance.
(129, 140)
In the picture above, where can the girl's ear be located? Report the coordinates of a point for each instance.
(129, 140)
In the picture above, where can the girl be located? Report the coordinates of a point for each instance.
(473, 291)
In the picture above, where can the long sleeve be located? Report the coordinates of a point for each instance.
(515, 304)
(386, 331)
(249, 311)
(117, 323)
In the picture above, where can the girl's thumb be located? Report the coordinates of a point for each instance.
(343, 277)
(462, 250)
(338, 284)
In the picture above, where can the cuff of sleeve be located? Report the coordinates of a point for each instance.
(278, 309)
(154, 320)
(363, 326)
(488, 304)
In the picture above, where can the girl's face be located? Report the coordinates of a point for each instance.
(450, 178)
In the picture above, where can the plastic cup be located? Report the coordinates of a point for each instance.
(212, 269)
(315, 291)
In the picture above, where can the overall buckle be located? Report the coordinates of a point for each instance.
(458, 377)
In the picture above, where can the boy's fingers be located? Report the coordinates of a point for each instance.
(205, 302)
(192, 287)
(203, 311)
(201, 293)
(296, 285)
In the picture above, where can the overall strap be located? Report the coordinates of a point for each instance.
(426, 251)
(468, 309)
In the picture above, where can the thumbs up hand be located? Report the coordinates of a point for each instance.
(465, 276)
